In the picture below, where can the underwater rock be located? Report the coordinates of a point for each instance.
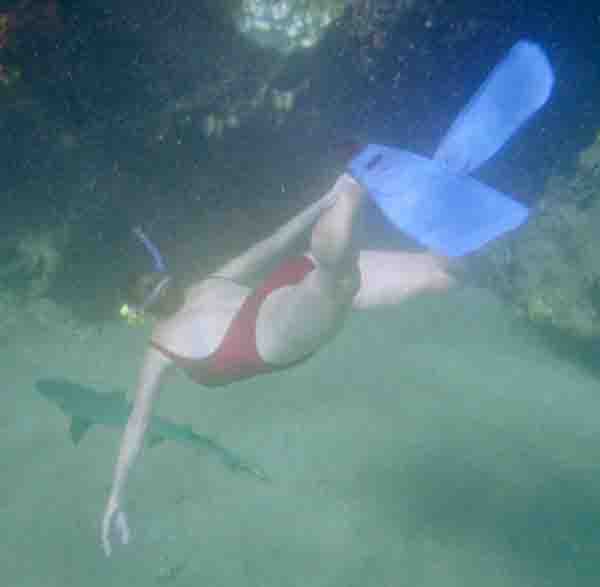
(288, 25)
(550, 268)
(31, 259)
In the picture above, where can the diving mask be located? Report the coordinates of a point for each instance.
(134, 314)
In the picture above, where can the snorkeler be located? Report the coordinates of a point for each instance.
(222, 329)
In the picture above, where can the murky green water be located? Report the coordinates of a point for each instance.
(436, 444)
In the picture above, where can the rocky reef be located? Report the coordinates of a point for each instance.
(286, 26)
(30, 260)
(550, 268)
(250, 77)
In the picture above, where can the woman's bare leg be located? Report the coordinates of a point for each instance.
(296, 320)
(332, 243)
(390, 277)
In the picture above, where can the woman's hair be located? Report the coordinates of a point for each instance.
(169, 299)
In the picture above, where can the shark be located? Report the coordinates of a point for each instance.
(87, 407)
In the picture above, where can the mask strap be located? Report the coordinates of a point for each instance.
(153, 296)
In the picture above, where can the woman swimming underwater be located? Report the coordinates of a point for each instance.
(221, 330)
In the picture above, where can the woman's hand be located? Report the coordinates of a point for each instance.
(114, 517)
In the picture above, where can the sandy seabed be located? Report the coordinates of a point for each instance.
(435, 444)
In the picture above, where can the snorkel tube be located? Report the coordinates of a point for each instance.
(159, 264)
(134, 314)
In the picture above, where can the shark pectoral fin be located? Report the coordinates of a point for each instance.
(154, 439)
(78, 428)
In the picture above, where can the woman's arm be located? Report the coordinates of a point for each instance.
(149, 382)
(260, 257)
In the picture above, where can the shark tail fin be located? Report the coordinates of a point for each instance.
(78, 428)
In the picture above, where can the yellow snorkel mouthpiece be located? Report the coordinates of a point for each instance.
(133, 317)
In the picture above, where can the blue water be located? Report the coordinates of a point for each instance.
(439, 443)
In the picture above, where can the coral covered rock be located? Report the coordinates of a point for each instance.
(550, 268)
(30, 260)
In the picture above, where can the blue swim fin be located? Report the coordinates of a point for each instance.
(434, 200)
(450, 213)
(516, 88)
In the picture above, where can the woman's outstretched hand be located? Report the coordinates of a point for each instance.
(114, 517)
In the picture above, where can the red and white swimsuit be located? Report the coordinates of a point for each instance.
(237, 356)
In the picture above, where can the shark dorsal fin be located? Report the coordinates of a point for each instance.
(155, 439)
(78, 428)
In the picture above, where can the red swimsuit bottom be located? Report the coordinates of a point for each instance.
(237, 356)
